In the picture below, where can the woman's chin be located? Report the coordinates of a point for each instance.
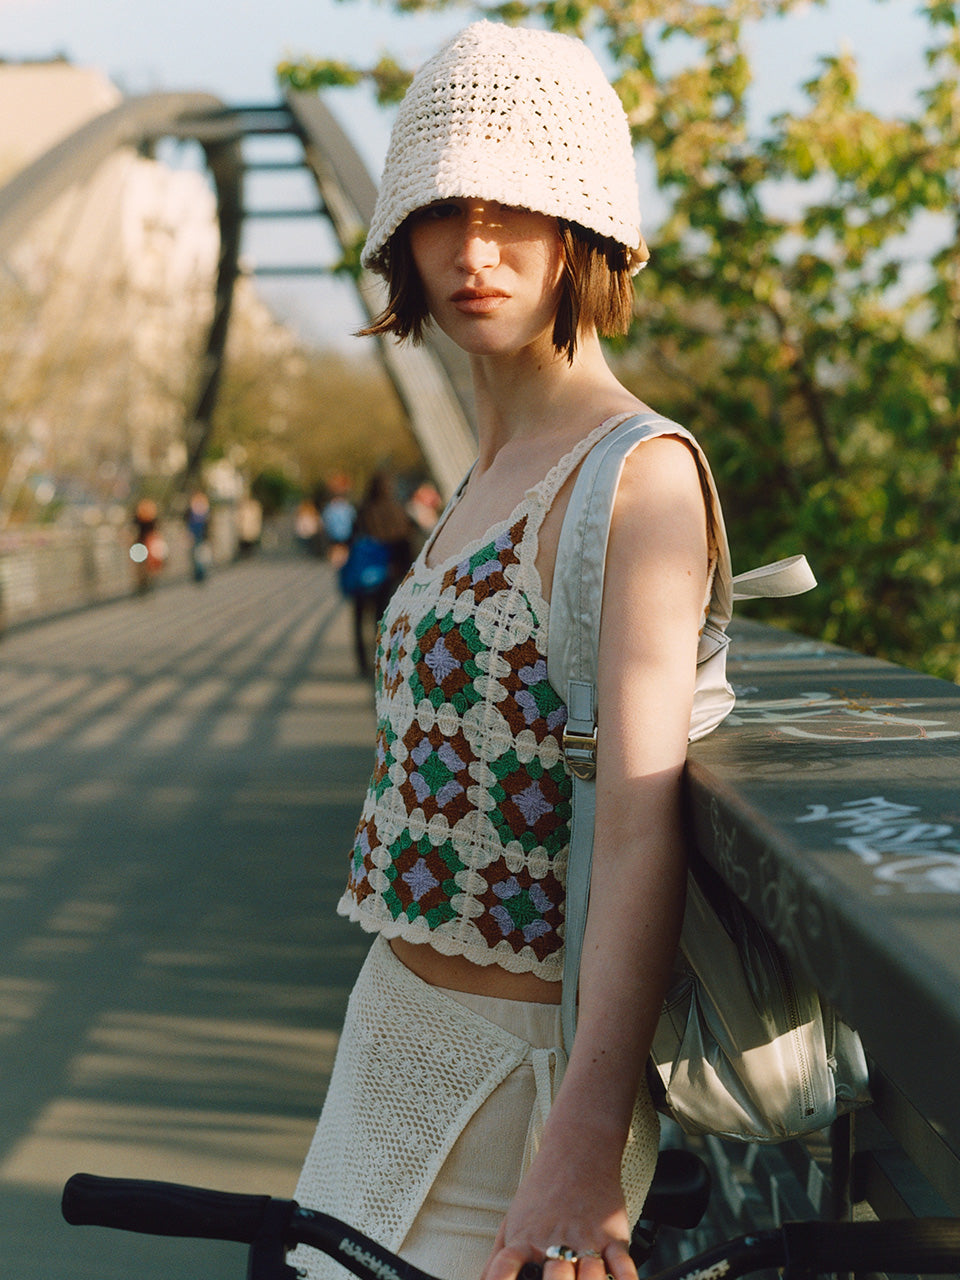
(481, 337)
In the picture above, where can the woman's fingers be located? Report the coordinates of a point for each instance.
(618, 1262)
(511, 1264)
(589, 1266)
(615, 1262)
(506, 1264)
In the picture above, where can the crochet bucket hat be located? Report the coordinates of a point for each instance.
(516, 115)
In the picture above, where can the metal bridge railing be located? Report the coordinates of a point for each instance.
(830, 803)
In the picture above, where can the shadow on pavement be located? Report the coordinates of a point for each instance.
(180, 777)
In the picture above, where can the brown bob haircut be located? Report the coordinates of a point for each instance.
(596, 289)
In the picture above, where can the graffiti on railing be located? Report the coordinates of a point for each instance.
(826, 717)
(902, 849)
(780, 898)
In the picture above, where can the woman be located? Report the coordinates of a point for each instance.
(455, 1129)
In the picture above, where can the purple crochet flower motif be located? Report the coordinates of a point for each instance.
(436, 772)
(532, 803)
(420, 879)
(393, 656)
(532, 929)
(358, 858)
(528, 705)
(479, 572)
(441, 661)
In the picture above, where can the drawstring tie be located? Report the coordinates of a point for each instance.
(548, 1068)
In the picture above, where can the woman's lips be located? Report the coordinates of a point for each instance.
(478, 301)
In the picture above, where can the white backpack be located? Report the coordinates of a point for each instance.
(755, 1093)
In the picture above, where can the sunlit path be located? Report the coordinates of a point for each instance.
(179, 779)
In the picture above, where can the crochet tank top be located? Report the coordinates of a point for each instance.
(463, 836)
(462, 840)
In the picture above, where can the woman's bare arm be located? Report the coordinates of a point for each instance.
(656, 580)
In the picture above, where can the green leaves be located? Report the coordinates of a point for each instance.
(801, 312)
(309, 75)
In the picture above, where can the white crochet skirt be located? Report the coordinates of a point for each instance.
(435, 1110)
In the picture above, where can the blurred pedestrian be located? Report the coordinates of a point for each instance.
(198, 525)
(149, 550)
(424, 506)
(307, 526)
(249, 526)
(383, 519)
(339, 518)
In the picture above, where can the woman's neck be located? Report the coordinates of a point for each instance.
(533, 394)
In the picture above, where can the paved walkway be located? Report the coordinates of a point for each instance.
(179, 779)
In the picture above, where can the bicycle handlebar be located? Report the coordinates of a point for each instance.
(162, 1208)
(926, 1245)
(169, 1209)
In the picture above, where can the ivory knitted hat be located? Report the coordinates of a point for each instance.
(516, 115)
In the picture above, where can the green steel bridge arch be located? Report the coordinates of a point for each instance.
(432, 381)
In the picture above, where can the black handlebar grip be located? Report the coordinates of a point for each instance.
(162, 1208)
(928, 1245)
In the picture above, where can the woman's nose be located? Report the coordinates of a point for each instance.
(479, 246)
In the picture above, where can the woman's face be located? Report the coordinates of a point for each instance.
(490, 273)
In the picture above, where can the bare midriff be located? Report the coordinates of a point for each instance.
(456, 973)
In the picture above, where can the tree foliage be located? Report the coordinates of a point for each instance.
(304, 415)
(801, 309)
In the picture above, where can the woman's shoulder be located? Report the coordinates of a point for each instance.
(662, 532)
(670, 456)
(663, 479)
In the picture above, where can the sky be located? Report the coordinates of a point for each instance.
(231, 48)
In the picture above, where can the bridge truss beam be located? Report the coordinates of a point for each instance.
(432, 381)
(141, 122)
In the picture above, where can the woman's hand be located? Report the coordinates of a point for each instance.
(570, 1196)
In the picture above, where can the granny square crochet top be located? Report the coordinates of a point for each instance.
(463, 835)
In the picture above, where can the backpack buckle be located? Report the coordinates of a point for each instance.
(580, 753)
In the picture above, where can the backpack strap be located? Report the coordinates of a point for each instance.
(576, 595)
(790, 577)
(572, 644)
